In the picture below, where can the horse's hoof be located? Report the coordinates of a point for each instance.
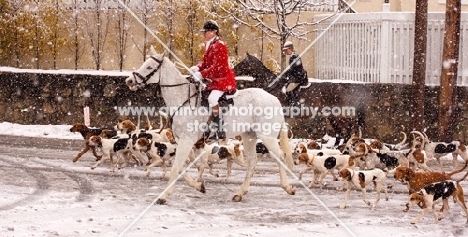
(75, 160)
(161, 201)
(202, 188)
(237, 198)
(93, 168)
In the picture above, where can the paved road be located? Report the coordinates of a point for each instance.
(42, 165)
(43, 193)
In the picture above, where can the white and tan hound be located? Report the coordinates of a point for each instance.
(360, 179)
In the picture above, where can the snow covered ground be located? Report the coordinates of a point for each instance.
(43, 193)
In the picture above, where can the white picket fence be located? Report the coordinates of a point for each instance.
(378, 48)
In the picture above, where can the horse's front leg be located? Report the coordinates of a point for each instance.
(251, 162)
(272, 146)
(183, 150)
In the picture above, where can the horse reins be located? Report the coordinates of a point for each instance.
(145, 79)
(151, 74)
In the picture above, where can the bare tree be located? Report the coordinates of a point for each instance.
(17, 20)
(193, 21)
(286, 21)
(55, 39)
(76, 31)
(145, 10)
(122, 33)
(166, 9)
(97, 29)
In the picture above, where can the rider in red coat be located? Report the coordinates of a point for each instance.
(214, 67)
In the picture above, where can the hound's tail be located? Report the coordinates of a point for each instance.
(460, 170)
(400, 144)
(464, 177)
(138, 124)
(285, 146)
(163, 121)
(148, 122)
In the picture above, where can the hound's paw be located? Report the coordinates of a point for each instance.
(343, 207)
(161, 201)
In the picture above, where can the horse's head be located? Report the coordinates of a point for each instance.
(146, 73)
(252, 66)
(247, 66)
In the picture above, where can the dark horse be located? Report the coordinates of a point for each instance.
(252, 66)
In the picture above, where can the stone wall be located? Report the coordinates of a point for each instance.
(28, 98)
(382, 110)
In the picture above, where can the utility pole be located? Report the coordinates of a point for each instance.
(419, 66)
(448, 76)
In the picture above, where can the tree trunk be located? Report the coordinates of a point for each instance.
(419, 66)
(448, 76)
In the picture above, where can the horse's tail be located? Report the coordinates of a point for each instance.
(286, 146)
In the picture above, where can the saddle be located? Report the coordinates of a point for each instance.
(223, 101)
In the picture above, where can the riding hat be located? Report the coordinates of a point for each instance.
(210, 25)
(287, 45)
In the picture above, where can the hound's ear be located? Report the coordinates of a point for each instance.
(152, 51)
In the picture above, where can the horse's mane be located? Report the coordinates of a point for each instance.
(252, 66)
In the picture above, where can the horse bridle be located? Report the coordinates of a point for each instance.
(146, 78)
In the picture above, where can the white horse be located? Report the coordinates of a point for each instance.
(182, 95)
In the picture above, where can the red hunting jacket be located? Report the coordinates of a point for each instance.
(215, 66)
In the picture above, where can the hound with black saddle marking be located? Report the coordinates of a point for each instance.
(438, 149)
(109, 147)
(433, 193)
(360, 179)
(322, 165)
(160, 153)
(215, 154)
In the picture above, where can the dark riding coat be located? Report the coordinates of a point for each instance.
(296, 73)
(215, 66)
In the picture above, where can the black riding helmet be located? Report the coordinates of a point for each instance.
(210, 25)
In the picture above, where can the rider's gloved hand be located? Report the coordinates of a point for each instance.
(194, 69)
(197, 76)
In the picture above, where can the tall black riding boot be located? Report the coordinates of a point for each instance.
(218, 128)
(291, 98)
